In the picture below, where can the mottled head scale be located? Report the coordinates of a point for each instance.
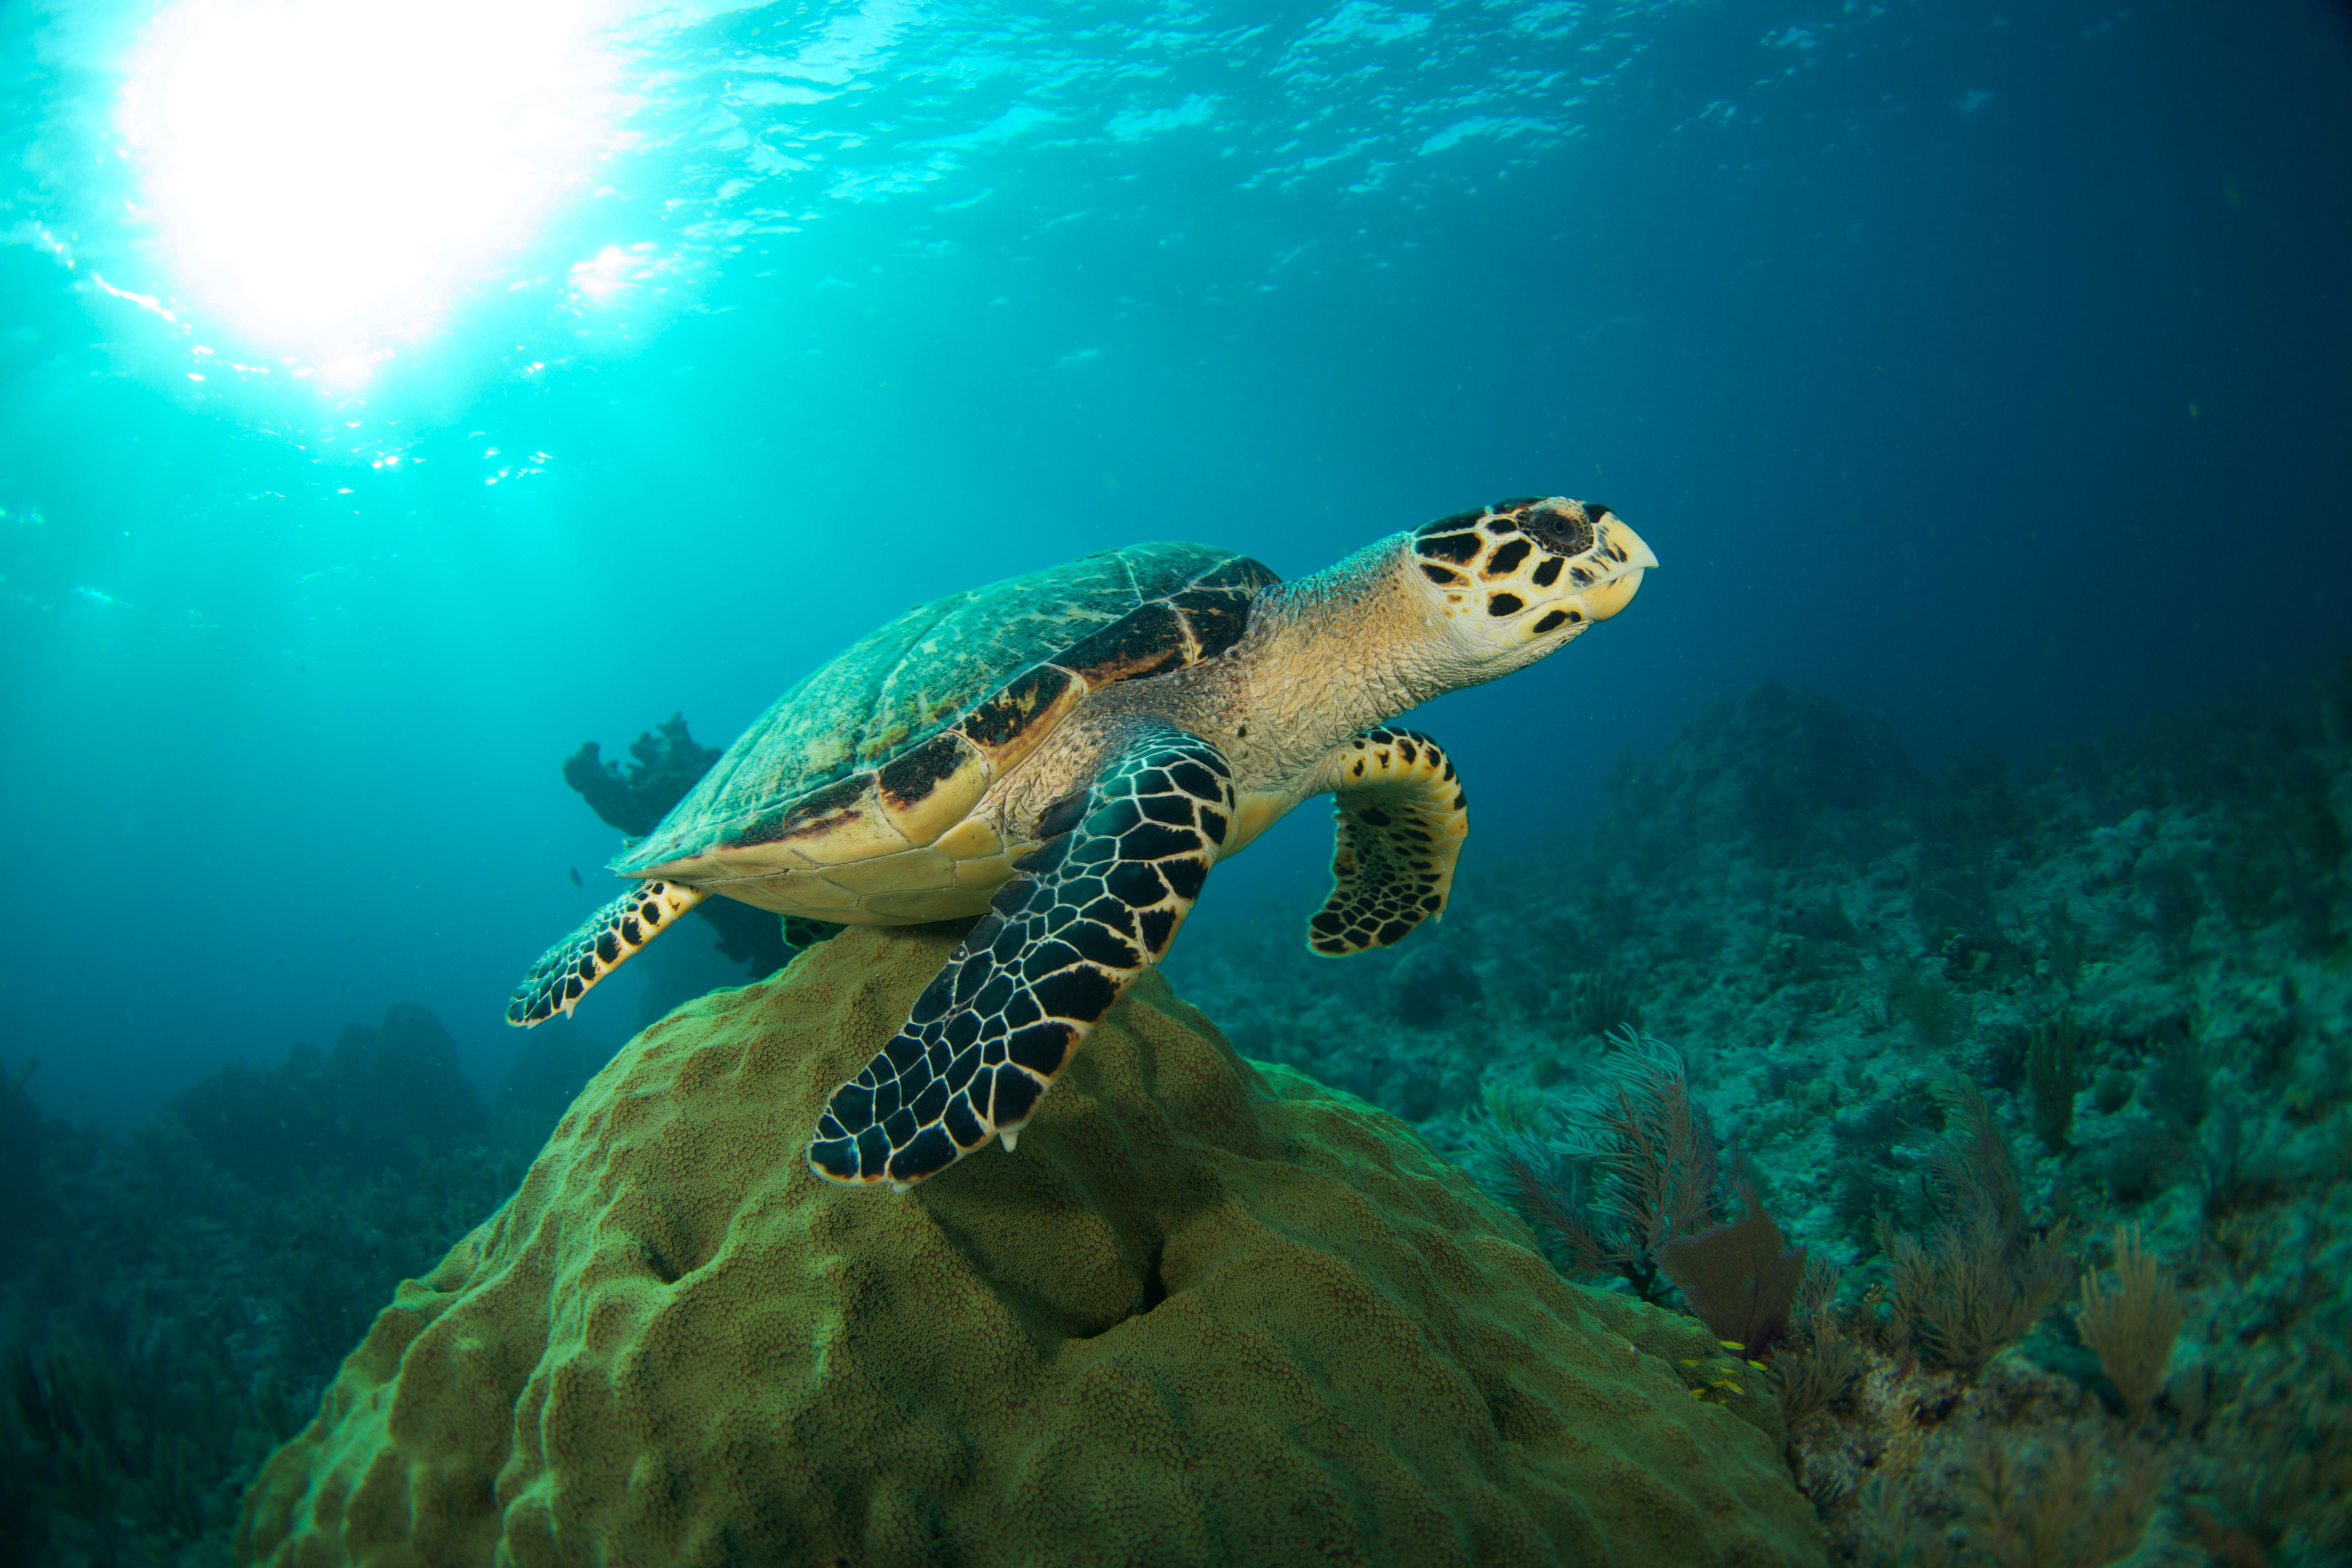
(1523, 576)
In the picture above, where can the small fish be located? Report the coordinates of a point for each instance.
(575, 877)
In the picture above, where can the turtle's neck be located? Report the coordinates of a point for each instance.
(1350, 646)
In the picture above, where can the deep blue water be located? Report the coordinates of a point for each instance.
(1982, 365)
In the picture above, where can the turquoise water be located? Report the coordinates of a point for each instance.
(394, 398)
(1978, 366)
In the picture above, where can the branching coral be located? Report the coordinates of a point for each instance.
(2130, 1316)
(1627, 1188)
(1740, 1279)
(1817, 1363)
(1601, 1003)
(1979, 1280)
(1636, 1169)
(2069, 1500)
(666, 764)
(2053, 1070)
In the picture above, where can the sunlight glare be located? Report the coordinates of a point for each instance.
(331, 173)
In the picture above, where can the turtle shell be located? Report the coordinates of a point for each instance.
(893, 743)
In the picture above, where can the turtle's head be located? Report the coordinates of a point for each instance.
(1520, 578)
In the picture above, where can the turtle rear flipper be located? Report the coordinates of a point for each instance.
(1080, 919)
(804, 933)
(603, 943)
(1403, 817)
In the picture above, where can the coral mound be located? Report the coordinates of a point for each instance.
(1209, 1313)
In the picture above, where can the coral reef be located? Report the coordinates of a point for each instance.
(665, 762)
(172, 1301)
(1206, 1314)
(385, 1099)
(20, 1166)
(2132, 952)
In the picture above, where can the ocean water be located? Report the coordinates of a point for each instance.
(394, 398)
(1979, 365)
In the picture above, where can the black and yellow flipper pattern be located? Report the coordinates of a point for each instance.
(1080, 919)
(1402, 818)
(605, 941)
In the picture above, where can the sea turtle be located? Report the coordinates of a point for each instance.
(1067, 754)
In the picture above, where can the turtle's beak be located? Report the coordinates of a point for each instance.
(1620, 552)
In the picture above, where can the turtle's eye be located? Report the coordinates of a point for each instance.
(1564, 527)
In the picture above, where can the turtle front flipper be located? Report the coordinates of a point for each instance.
(1080, 919)
(1403, 817)
(603, 943)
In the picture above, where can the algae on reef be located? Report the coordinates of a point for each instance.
(1209, 1313)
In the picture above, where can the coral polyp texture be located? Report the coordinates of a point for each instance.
(1208, 1312)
